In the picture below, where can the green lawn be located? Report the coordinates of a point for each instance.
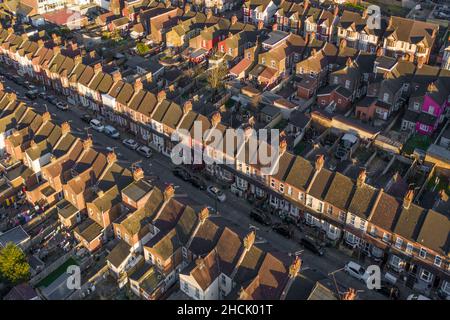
(300, 147)
(57, 273)
(416, 141)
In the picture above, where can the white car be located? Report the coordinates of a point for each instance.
(417, 297)
(145, 151)
(96, 125)
(130, 143)
(62, 106)
(217, 193)
(356, 271)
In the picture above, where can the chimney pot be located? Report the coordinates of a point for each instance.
(320, 160)
(138, 174)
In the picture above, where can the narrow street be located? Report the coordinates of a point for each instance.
(234, 209)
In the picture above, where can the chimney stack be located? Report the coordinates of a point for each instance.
(116, 76)
(187, 8)
(349, 295)
(46, 116)
(78, 59)
(234, 19)
(138, 85)
(294, 269)
(1, 87)
(56, 50)
(283, 146)
(361, 180)
(161, 96)
(169, 192)
(187, 106)
(138, 174)
(275, 27)
(215, 119)
(409, 197)
(87, 143)
(203, 215)
(97, 68)
(40, 43)
(260, 25)
(249, 240)
(111, 157)
(320, 160)
(65, 128)
(24, 36)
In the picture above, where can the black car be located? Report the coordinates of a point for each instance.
(31, 95)
(389, 290)
(283, 229)
(260, 217)
(181, 173)
(86, 118)
(198, 182)
(311, 246)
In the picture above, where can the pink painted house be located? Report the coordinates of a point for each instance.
(435, 103)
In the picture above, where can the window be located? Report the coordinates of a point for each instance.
(396, 262)
(272, 183)
(186, 286)
(290, 190)
(373, 230)
(423, 253)
(342, 216)
(230, 50)
(386, 237)
(437, 261)
(398, 243)
(362, 224)
(352, 220)
(263, 60)
(431, 110)
(281, 187)
(423, 127)
(330, 210)
(347, 84)
(320, 207)
(416, 106)
(224, 280)
(301, 196)
(335, 80)
(273, 64)
(426, 275)
(309, 202)
(409, 248)
(197, 293)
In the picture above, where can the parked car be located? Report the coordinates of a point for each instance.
(52, 99)
(261, 217)
(130, 144)
(311, 246)
(62, 106)
(355, 270)
(182, 173)
(111, 131)
(216, 193)
(197, 182)
(96, 125)
(86, 117)
(389, 290)
(145, 151)
(417, 297)
(42, 95)
(283, 229)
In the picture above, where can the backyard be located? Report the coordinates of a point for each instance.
(57, 273)
(417, 141)
(438, 183)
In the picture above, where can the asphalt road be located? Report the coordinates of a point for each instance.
(234, 209)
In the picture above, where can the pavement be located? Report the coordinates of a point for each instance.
(234, 209)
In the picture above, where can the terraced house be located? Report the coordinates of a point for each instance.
(299, 188)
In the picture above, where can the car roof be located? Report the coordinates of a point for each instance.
(353, 264)
(109, 127)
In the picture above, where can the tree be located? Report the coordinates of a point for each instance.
(14, 266)
(216, 75)
(142, 48)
